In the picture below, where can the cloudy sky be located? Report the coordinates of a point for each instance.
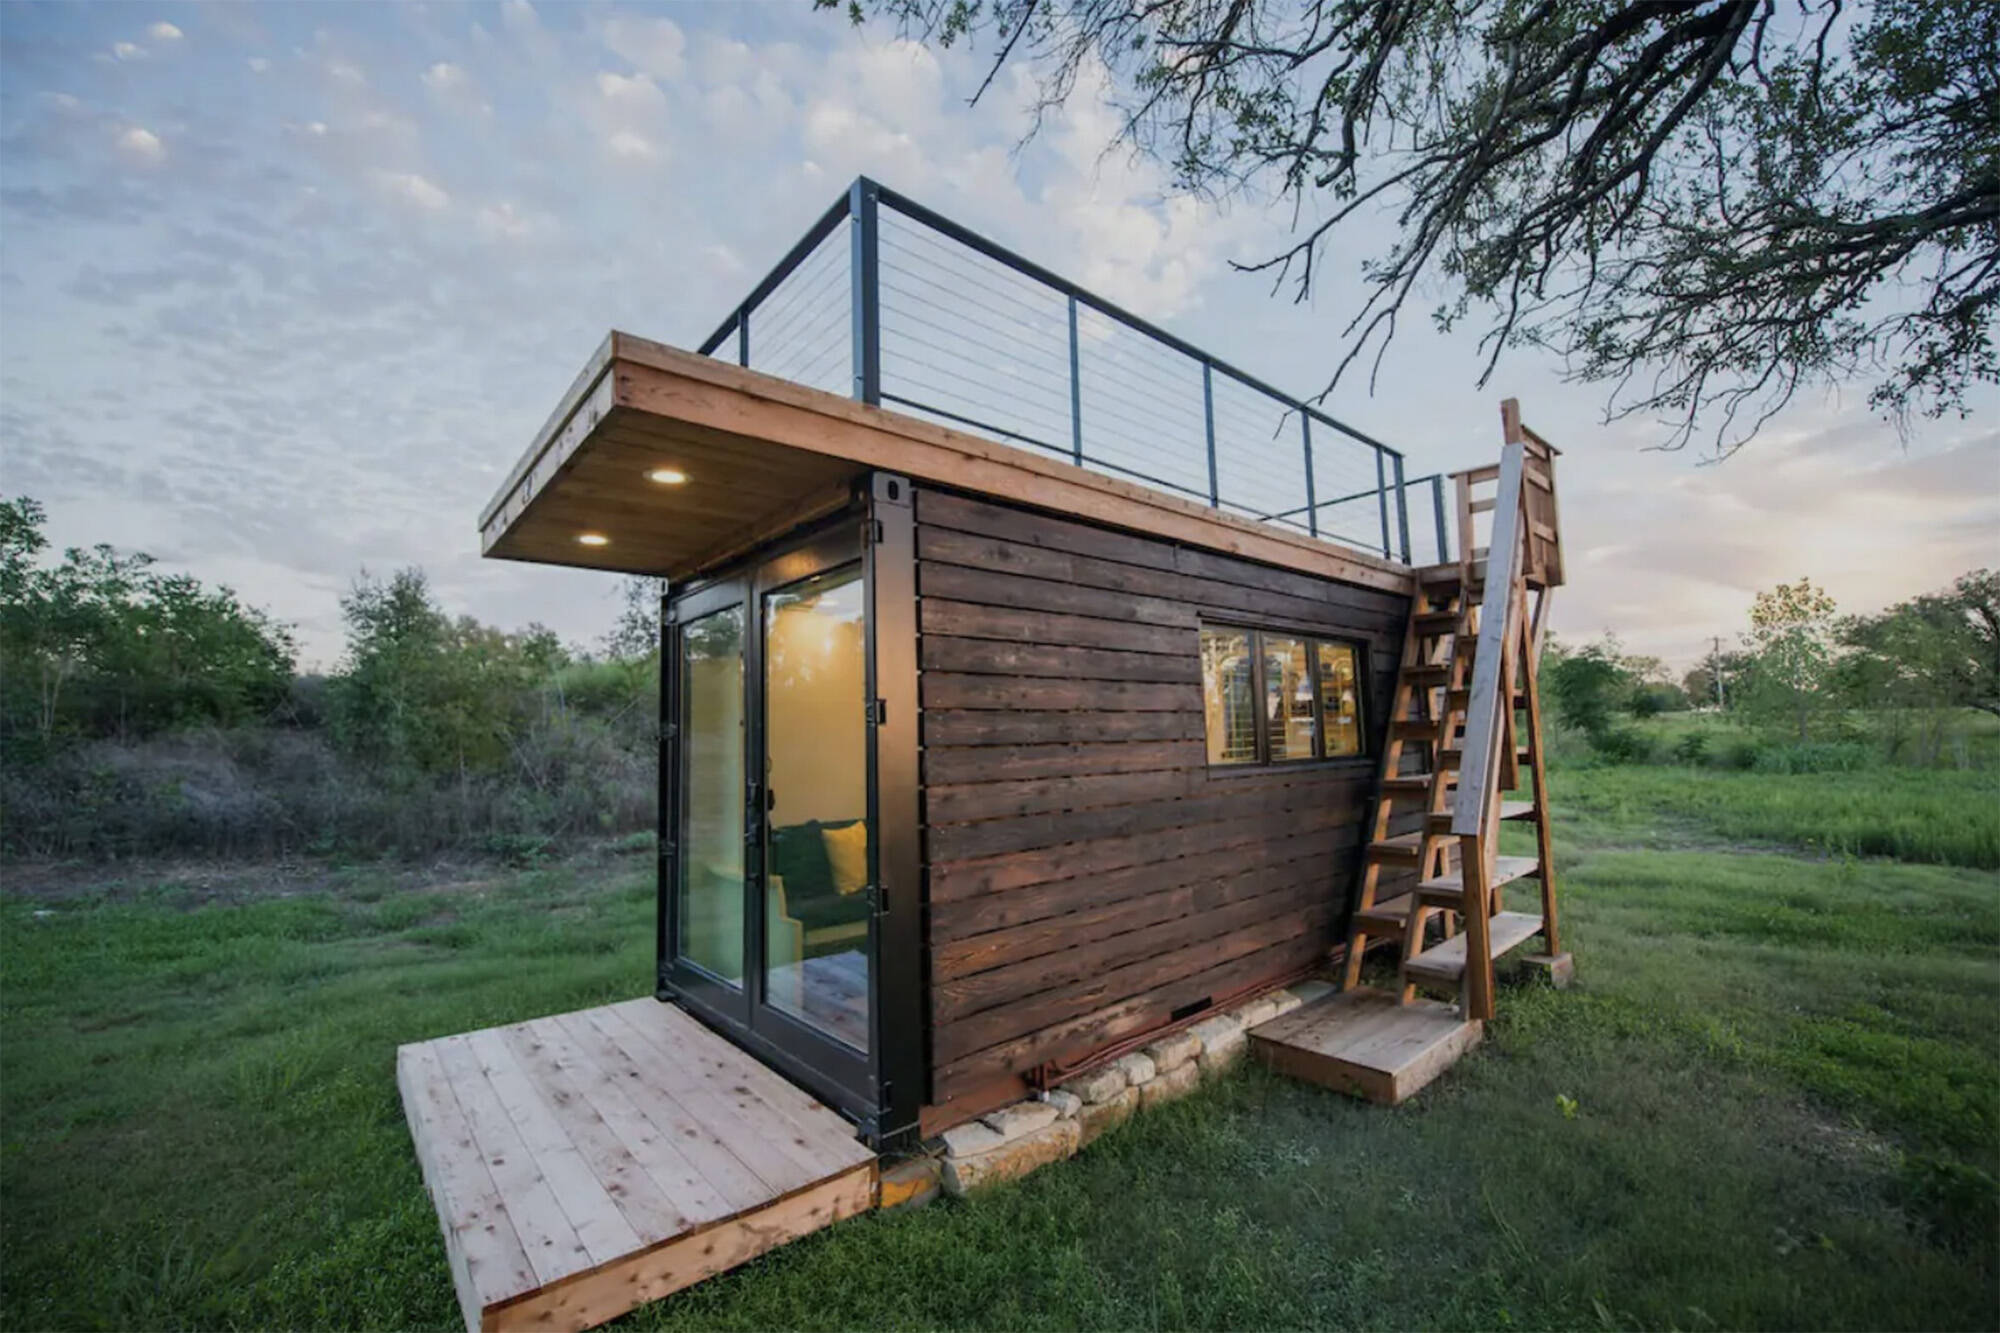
(284, 291)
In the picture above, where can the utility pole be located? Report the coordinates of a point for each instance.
(1715, 671)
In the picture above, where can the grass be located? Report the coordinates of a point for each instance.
(1783, 1065)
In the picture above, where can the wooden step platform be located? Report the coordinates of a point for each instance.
(1364, 1043)
(586, 1163)
(1444, 963)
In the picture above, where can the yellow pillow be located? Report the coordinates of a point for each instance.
(847, 856)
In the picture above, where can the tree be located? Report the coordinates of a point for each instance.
(1939, 650)
(1704, 204)
(100, 643)
(1791, 639)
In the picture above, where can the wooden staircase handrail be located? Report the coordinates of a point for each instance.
(1483, 717)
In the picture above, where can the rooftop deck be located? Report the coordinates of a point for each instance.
(893, 307)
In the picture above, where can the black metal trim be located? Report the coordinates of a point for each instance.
(898, 1011)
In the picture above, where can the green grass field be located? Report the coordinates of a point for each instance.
(1784, 1058)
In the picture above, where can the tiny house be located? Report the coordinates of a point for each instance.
(1033, 682)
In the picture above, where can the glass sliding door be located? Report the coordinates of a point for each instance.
(711, 873)
(771, 903)
(816, 883)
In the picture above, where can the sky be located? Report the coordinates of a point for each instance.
(285, 291)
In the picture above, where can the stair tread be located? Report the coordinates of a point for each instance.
(1393, 914)
(1508, 810)
(1506, 869)
(1446, 961)
(1402, 847)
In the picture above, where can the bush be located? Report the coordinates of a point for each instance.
(265, 792)
(1692, 748)
(1622, 745)
(1820, 757)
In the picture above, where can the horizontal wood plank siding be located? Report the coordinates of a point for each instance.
(1088, 873)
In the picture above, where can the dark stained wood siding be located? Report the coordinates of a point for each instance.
(1088, 873)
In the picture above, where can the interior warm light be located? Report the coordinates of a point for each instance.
(593, 539)
(667, 476)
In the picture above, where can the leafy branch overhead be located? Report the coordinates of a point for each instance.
(1704, 204)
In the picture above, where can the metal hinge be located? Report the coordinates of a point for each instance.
(878, 900)
(877, 711)
(669, 730)
(871, 531)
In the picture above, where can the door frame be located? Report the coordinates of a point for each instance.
(883, 1090)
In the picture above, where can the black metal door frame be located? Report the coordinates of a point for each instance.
(883, 1089)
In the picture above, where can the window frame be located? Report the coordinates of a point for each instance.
(1261, 761)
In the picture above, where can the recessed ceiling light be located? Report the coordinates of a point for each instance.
(593, 539)
(667, 476)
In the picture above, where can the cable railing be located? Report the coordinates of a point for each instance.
(894, 304)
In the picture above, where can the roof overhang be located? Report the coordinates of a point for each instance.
(761, 455)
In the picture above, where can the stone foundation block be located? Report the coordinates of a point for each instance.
(970, 1139)
(1014, 1158)
(1011, 1122)
(1176, 1082)
(1218, 1055)
(1099, 1085)
(1172, 1052)
(1559, 968)
(1137, 1067)
(1097, 1117)
(1067, 1104)
(1255, 1012)
(1312, 989)
(912, 1182)
(1285, 1000)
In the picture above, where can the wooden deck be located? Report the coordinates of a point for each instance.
(1362, 1042)
(585, 1163)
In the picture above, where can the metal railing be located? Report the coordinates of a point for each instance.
(893, 303)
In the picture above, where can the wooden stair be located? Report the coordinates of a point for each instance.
(1465, 727)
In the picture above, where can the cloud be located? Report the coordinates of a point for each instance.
(164, 32)
(653, 46)
(505, 220)
(127, 51)
(258, 64)
(444, 77)
(142, 143)
(415, 189)
(627, 144)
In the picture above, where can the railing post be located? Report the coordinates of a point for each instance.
(1075, 390)
(1208, 420)
(743, 337)
(1437, 506)
(1382, 502)
(865, 291)
(1312, 508)
(1402, 511)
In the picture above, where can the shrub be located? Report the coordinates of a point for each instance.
(1692, 748)
(1819, 757)
(1622, 745)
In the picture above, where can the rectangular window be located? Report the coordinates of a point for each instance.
(1228, 696)
(1270, 697)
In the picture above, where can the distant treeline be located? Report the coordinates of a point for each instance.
(1816, 689)
(142, 712)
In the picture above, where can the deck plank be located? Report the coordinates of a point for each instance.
(745, 1143)
(589, 1207)
(487, 1260)
(650, 1138)
(831, 1136)
(652, 1216)
(585, 1163)
(553, 1248)
(696, 1139)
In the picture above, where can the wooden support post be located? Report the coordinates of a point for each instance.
(1475, 870)
(1544, 842)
